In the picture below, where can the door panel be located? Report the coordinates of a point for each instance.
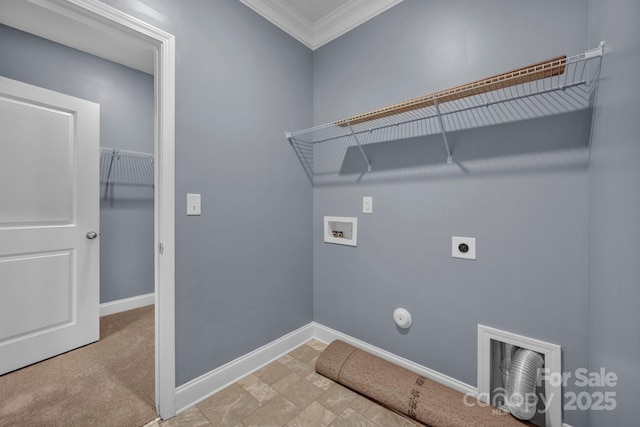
(41, 284)
(49, 270)
(43, 195)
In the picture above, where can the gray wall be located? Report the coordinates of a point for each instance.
(614, 210)
(524, 200)
(243, 268)
(126, 121)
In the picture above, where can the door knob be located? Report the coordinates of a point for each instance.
(92, 235)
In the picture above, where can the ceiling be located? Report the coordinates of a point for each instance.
(314, 10)
(317, 22)
(71, 29)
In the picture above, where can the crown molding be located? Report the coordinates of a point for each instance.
(283, 16)
(330, 27)
(348, 17)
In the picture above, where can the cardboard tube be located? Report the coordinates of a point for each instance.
(406, 392)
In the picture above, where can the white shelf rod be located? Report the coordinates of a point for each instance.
(595, 52)
(127, 153)
(444, 133)
(353, 134)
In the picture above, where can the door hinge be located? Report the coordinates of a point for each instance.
(161, 248)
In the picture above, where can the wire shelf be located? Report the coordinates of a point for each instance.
(557, 86)
(133, 170)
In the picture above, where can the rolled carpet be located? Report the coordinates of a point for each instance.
(407, 392)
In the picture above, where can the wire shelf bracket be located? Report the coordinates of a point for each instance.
(355, 137)
(114, 154)
(559, 85)
(444, 133)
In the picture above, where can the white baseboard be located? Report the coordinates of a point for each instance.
(326, 335)
(125, 304)
(210, 383)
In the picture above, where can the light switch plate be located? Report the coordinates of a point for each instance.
(367, 204)
(463, 247)
(193, 204)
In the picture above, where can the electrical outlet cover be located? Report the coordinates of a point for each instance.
(463, 247)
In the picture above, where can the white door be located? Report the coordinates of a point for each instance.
(49, 212)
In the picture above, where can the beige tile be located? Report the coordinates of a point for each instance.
(350, 418)
(337, 398)
(315, 415)
(410, 422)
(297, 390)
(361, 404)
(384, 417)
(300, 367)
(317, 345)
(248, 380)
(192, 417)
(313, 361)
(226, 408)
(272, 372)
(319, 381)
(304, 353)
(275, 413)
(285, 359)
(413, 423)
(261, 391)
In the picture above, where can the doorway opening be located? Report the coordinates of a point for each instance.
(101, 30)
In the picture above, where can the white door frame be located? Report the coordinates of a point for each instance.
(99, 16)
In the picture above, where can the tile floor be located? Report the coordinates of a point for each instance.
(288, 393)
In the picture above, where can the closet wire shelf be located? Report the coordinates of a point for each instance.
(556, 86)
(125, 168)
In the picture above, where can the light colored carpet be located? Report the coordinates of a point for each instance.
(109, 383)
